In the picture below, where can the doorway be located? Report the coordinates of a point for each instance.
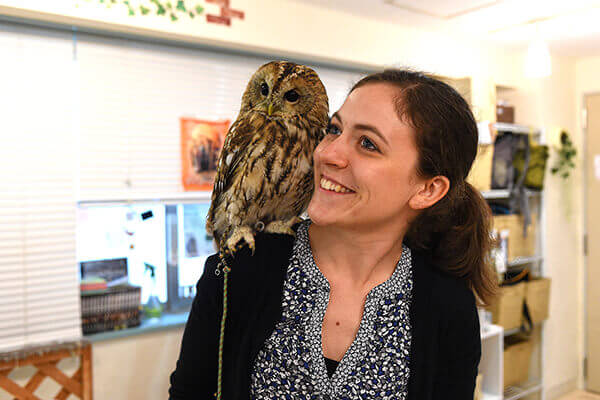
(592, 223)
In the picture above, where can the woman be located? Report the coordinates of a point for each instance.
(374, 298)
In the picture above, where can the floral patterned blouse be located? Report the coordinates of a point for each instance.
(291, 364)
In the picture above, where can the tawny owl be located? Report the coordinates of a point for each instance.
(264, 177)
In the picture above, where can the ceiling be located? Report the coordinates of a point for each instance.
(571, 28)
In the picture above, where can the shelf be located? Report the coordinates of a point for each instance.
(505, 193)
(517, 262)
(490, 331)
(515, 128)
(508, 332)
(163, 198)
(496, 194)
(487, 396)
(165, 322)
(520, 391)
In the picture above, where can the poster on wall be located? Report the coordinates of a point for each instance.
(201, 143)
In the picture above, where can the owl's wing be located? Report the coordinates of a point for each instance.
(234, 150)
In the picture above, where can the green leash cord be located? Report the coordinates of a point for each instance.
(226, 271)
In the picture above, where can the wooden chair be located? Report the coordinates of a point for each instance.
(45, 360)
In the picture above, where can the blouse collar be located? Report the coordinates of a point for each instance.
(392, 285)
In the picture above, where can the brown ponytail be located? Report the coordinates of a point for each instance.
(454, 232)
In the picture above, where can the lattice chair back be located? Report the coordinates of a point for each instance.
(45, 359)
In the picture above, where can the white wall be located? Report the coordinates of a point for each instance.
(554, 109)
(136, 367)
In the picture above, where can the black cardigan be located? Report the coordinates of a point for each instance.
(445, 346)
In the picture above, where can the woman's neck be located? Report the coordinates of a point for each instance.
(363, 259)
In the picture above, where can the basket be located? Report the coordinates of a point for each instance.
(115, 308)
(518, 244)
(507, 309)
(480, 175)
(537, 297)
(517, 357)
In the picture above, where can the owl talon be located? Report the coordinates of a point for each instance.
(283, 227)
(238, 237)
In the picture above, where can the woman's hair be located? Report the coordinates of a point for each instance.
(454, 232)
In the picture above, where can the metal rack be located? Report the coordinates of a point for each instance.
(492, 345)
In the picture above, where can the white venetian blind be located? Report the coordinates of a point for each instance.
(39, 293)
(132, 96)
(95, 118)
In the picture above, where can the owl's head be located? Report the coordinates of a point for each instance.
(286, 90)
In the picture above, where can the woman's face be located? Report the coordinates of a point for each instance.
(365, 166)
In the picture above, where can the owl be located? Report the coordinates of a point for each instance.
(264, 177)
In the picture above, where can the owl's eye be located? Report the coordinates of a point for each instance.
(291, 96)
(264, 89)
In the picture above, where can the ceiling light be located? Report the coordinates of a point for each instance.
(537, 61)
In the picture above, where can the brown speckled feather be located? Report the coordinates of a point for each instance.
(264, 174)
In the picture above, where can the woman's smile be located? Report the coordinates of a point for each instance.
(329, 185)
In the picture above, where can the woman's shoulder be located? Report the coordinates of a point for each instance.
(447, 292)
(271, 255)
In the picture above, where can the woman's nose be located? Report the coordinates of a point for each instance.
(332, 152)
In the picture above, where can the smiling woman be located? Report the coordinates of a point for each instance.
(375, 297)
(370, 151)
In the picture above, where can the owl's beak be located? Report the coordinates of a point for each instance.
(270, 109)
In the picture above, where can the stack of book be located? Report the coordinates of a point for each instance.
(111, 308)
(89, 285)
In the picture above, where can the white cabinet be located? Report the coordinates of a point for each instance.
(491, 366)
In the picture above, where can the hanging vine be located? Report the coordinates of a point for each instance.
(566, 156)
(172, 9)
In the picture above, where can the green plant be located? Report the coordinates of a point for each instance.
(566, 156)
(172, 9)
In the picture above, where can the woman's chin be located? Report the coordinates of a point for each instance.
(324, 217)
(319, 216)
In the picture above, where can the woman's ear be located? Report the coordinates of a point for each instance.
(429, 192)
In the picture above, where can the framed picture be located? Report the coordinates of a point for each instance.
(201, 143)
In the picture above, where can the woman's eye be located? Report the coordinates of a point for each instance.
(367, 144)
(333, 130)
(264, 89)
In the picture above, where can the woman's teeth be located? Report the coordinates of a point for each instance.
(334, 187)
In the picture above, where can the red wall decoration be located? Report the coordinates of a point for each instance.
(226, 15)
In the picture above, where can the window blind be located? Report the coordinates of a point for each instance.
(132, 96)
(39, 296)
(93, 118)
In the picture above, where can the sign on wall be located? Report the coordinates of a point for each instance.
(201, 143)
